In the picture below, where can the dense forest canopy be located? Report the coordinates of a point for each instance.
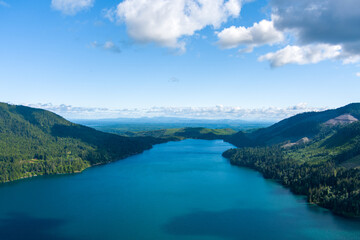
(36, 142)
(308, 124)
(314, 154)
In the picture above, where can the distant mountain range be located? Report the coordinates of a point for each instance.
(123, 126)
(183, 133)
(165, 120)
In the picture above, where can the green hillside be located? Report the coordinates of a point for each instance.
(325, 168)
(294, 128)
(36, 142)
(183, 133)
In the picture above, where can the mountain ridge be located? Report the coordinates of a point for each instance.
(37, 142)
(324, 166)
(294, 128)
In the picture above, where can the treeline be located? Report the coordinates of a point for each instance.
(10, 171)
(309, 124)
(325, 184)
(37, 142)
(184, 133)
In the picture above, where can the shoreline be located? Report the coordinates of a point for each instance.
(75, 172)
(291, 189)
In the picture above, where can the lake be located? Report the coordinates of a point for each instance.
(178, 190)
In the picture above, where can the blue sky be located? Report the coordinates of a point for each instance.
(115, 55)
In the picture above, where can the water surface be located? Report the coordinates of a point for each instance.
(178, 190)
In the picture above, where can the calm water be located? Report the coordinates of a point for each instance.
(178, 190)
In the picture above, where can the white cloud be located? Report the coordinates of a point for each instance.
(216, 112)
(350, 58)
(165, 22)
(302, 54)
(71, 7)
(358, 74)
(260, 33)
(319, 30)
(108, 46)
(330, 22)
(109, 13)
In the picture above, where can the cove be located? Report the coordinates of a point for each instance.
(178, 190)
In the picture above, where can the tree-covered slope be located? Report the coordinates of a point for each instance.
(324, 168)
(294, 128)
(36, 142)
(326, 184)
(188, 132)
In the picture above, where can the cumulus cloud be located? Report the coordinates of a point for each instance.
(71, 7)
(108, 46)
(109, 13)
(260, 33)
(302, 54)
(331, 22)
(216, 112)
(165, 22)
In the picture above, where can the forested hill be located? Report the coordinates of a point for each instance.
(299, 126)
(184, 133)
(36, 142)
(314, 154)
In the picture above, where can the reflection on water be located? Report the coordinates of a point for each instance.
(257, 224)
(18, 225)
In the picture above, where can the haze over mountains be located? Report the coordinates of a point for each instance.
(171, 114)
(126, 126)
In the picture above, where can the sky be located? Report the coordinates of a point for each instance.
(260, 59)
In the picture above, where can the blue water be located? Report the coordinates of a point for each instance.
(178, 190)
